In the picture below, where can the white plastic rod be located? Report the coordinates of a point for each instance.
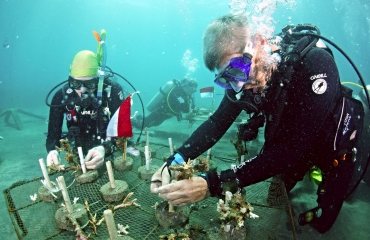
(111, 225)
(209, 154)
(147, 137)
(82, 160)
(147, 158)
(171, 146)
(110, 174)
(63, 188)
(45, 173)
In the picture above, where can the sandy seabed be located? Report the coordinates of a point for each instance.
(20, 151)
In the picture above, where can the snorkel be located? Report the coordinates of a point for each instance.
(102, 60)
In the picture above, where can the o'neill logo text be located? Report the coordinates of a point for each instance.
(346, 123)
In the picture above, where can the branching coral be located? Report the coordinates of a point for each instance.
(174, 236)
(187, 169)
(126, 204)
(80, 235)
(122, 229)
(202, 166)
(70, 157)
(233, 211)
(92, 218)
(239, 147)
(195, 231)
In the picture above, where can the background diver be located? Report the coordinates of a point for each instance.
(173, 99)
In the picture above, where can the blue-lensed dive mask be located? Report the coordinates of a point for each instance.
(235, 74)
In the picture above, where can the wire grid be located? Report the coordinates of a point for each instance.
(35, 220)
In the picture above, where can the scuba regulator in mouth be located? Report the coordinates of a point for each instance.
(87, 99)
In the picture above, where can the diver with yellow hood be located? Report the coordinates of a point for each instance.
(86, 101)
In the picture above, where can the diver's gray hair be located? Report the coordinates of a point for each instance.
(225, 35)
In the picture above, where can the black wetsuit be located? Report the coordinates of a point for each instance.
(174, 103)
(303, 138)
(86, 124)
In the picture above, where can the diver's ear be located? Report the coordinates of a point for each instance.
(249, 48)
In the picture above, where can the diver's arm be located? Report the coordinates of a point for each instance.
(209, 132)
(56, 115)
(177, 101)
(301, 124)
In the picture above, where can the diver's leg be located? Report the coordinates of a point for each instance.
(367, 176)
(296, 174)
(331, 194)
(290, 178)
(154, 119)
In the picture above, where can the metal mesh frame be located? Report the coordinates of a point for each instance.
(35, 220)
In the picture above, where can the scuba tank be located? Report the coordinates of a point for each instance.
(158, 98)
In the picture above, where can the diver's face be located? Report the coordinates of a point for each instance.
(226, 59)
(83, 90)
(234, 72)
(83, 86)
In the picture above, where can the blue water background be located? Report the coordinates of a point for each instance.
(146, 40)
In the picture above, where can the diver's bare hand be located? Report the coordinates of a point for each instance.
(95, 158)
(53, 158)
(183, 192)
(160, 178)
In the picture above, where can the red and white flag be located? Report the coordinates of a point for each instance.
(120, 123)
(207, 92)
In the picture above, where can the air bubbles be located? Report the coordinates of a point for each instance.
(190, 64)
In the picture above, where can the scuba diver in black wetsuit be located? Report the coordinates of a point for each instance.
(87, 108)
(366, 134)
(310, 120)
(173, 99)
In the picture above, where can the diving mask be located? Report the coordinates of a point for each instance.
(235, 74)
(77, 84)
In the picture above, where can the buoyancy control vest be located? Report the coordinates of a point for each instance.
(348, 113)
(84, 118)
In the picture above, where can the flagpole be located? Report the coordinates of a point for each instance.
(208, 92)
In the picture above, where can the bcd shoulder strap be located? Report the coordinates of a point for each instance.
(282, 78)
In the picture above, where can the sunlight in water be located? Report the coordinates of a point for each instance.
(260, 12)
